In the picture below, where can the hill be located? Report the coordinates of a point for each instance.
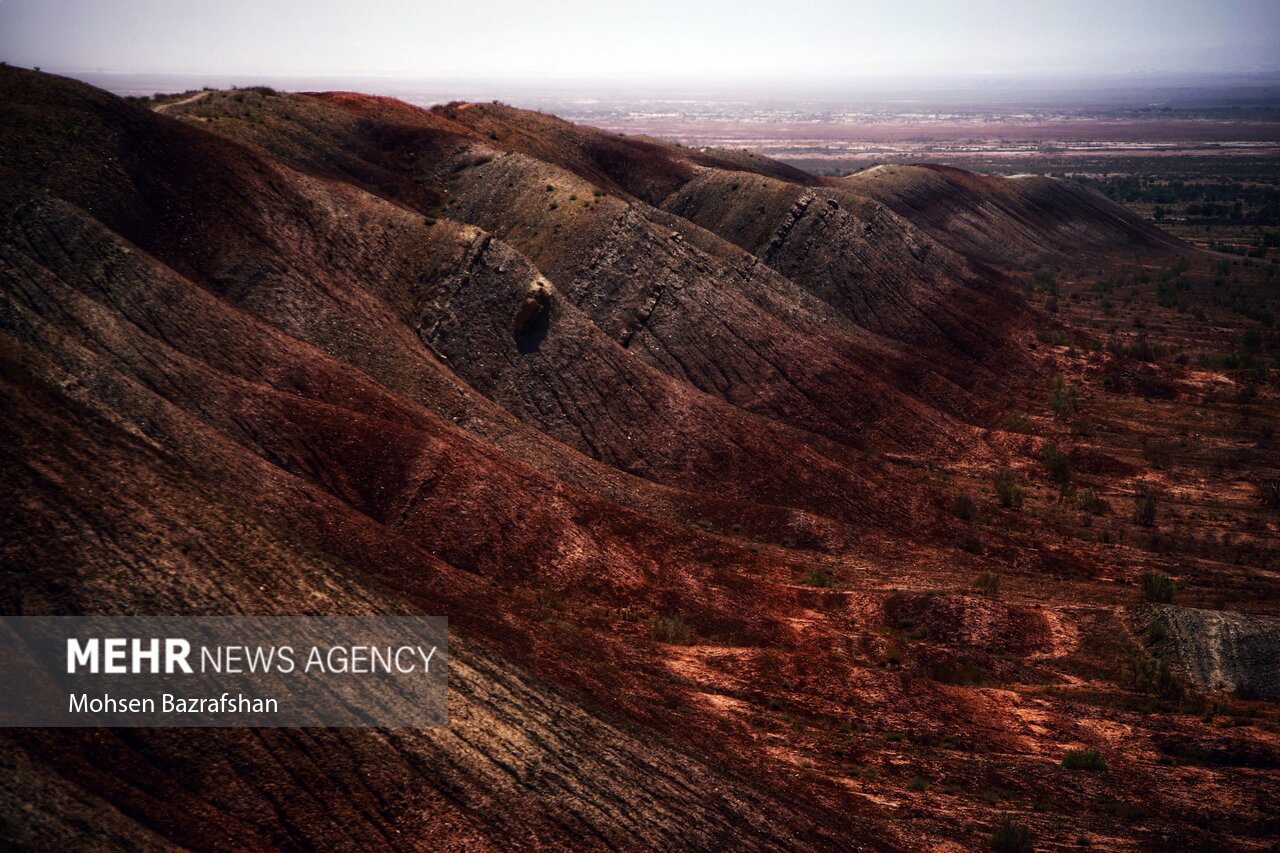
(679, 441)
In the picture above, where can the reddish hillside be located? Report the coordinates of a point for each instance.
(675, 439)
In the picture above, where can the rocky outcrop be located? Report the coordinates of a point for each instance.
(1227, 651)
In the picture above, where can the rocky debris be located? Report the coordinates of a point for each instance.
(1225, 651)
(539, 295)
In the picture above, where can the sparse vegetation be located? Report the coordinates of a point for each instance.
(1046, 280)
(1062, 397)
(1012, 837)
(1017, 422)
(1008, 492)
(1146, 500)
(1158, 587)
(1092, 503)
(670, 629)
(1084, 759)
(1057, 465)
(821, 578)
(964, 507)
(988, 584)
(1153, 676)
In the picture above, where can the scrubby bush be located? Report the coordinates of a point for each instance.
(1045, 279)
(1092, 503)
(1052, 337)
(1057, 465)
(670, 629)
(1017, 422)
(820, 578)
(1145, 502)
(1062, 397)
(1158, 587)
(972, 543)
(964, 507)
(1084, 759)
(987, 583)
(1153, 676)
(1012, 837)
(1008, 492)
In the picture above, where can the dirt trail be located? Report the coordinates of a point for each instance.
(162, 107)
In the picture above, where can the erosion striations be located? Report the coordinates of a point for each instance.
(658, 430)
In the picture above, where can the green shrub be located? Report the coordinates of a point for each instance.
(1153, 676)
(918, 783)
(1012, 837)
(820, 578)
(1008, 492)
(1017, 422)
(1084, 759)
(1062, 397)
(987, 583)
(1158, 587)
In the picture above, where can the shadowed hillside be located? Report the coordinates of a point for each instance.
(1023, 220)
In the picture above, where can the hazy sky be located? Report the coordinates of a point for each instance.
(657, 40)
